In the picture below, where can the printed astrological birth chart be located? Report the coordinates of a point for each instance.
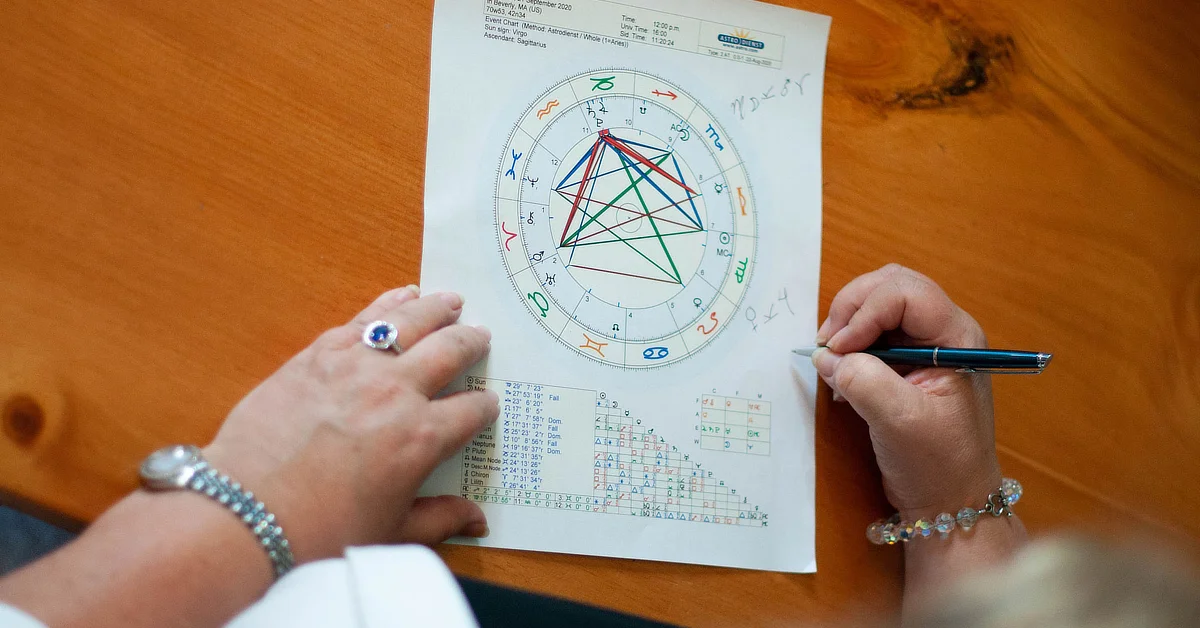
(625, 218)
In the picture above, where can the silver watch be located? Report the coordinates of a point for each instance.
(183, 467)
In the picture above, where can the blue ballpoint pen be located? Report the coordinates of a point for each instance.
(964, 360)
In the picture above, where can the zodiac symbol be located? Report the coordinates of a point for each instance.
(510, 235)
(716, 138)
(740, 273)
(603, 84)
(741, 200)
(593, 345)
(550, 105)
(512, 172)
(655, 353)
(713, 317)
(540, 301)
(718, 187)
(669, 94)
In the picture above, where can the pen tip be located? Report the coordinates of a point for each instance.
(805, 351)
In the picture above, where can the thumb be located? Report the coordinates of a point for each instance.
(876, 392)
(435, 519)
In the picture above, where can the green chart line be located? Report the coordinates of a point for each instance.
(645, 237)
(649, 216)
(612, 203)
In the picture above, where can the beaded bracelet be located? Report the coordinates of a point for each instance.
(893, 530)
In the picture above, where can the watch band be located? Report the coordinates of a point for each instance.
(253, 513)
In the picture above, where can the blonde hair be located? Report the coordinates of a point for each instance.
(1071, 583)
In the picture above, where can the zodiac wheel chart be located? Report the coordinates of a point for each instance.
(625, 218)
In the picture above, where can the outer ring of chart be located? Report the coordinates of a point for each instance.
(746, 241)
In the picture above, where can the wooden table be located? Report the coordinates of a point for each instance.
(191, 191)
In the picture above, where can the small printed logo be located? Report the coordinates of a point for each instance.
(741, 38)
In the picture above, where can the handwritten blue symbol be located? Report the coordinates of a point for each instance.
(655, 353)
(512, 172)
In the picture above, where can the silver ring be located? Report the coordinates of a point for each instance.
(381, 335)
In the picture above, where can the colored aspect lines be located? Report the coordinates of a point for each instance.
(616, 272)
(596, 147)
(640, 173)
(650, 218)
(623, 148)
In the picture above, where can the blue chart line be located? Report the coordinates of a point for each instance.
(625, 141)
(577, 165)
(588, 196)
(602, 174)
(646, 177)
(679, 171)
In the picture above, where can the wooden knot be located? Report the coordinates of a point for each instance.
(23, 419)
(32, 412)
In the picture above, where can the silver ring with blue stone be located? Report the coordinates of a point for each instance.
(381, 335)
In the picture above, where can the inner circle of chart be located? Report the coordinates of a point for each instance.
(626, 280)
(625, 218)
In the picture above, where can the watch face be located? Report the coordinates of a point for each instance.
(170, 467)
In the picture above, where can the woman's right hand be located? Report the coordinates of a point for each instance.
(931, 428)
(339, 439)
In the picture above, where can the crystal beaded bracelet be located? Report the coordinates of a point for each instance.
(893, 530)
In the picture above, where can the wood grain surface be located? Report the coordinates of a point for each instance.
(191, 191)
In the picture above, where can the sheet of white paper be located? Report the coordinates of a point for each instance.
(630, 198)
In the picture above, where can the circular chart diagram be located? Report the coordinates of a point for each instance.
(625, 218)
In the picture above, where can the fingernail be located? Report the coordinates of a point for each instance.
(822, 334)
(494, 397)
(453, 299)
(825, 361)
(415, 289)
(832, 342)
(406, 293)
(477, 530)
(837, 396)
(485, 331)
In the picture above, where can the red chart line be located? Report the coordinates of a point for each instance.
(579, 193)
(622, 147)
(690, 227)
(617, 272)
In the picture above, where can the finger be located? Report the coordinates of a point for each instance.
(435, 519)
(461, 416)
(416, 318)
(350, 334)
(385, 302)
(847, 301)
(916, 306)
(442, 356)
(877, 393)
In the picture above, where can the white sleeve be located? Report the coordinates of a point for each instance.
(13, 617)
(372, 587)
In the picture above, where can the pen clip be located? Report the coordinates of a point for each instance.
(1034, 371)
